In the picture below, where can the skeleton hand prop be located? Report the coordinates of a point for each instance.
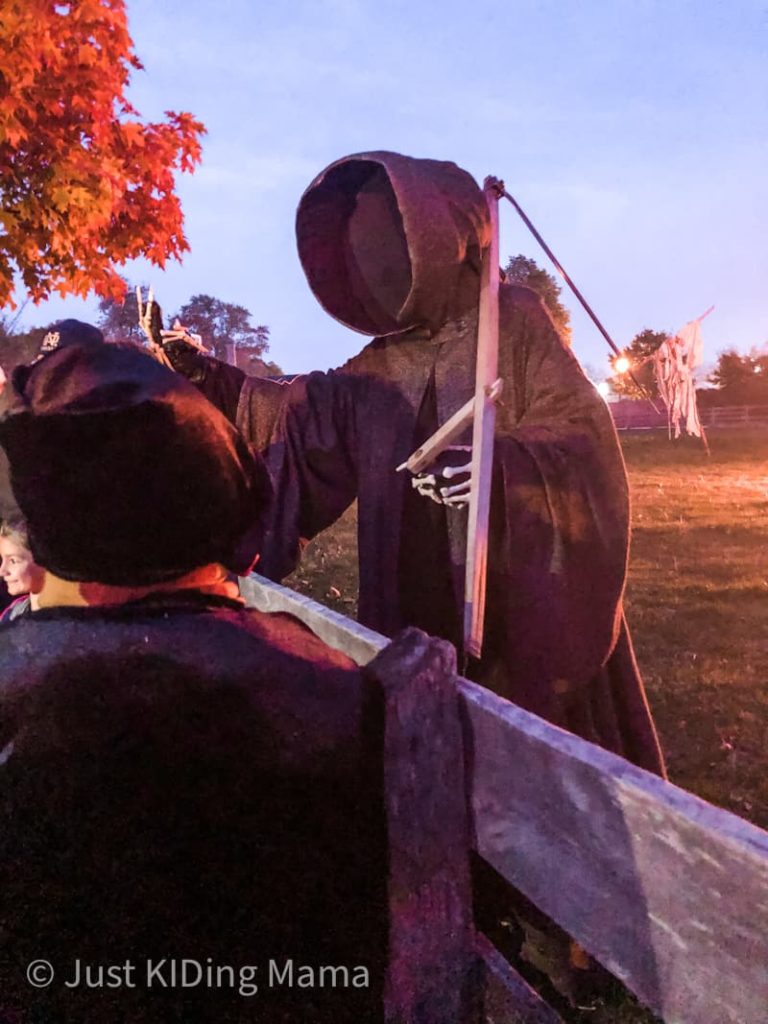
(181, 333)
(151, 322)
(435, 483)
(177, 348)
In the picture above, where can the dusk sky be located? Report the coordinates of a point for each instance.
(633, 133)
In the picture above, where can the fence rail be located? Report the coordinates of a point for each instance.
(669, 893)
(642, 416)
(735, 415)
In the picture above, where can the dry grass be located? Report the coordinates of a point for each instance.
(697, 601)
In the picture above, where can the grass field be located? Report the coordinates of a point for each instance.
(697, 604)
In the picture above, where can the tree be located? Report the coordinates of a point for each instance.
(223, 323)
(522, 270)
(255, 366)
(742, 380)
(119, 319)
(85, 184)
(18, 347)
(220, 325)
(639, 351)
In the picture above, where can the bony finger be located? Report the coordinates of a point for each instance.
(451, 471)
(462, 488)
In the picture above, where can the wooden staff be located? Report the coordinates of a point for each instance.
(483, 431)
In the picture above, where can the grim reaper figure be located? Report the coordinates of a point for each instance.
(392, 246)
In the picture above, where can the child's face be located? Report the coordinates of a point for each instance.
(17, 567)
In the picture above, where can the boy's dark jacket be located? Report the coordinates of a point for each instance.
(182, 778)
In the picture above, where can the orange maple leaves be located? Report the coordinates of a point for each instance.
(85, 184)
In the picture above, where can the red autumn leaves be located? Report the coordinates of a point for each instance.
(85, 184)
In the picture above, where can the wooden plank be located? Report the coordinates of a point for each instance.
(668, 892)
(483, 434)
(432, 970)
(440, 440)
(344, 634)
(444, 436)
(507, 996)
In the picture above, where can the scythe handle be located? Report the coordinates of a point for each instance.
(483, 431)
(587, 308)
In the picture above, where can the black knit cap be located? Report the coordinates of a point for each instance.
(71, 332)
(125, 473)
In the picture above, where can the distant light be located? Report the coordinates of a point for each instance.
(622, 364)
(603, 388)
(757, 369)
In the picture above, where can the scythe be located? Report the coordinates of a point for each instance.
(481, 410)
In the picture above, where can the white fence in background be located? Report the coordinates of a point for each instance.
(641, 415)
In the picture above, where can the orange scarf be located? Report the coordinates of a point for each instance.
(208, 579)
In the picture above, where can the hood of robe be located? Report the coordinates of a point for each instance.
(384, 238)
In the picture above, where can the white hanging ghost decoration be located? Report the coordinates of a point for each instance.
(674, 363)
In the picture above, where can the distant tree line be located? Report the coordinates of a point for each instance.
(228, 331)
(742, 380)
(738, 379)
(225, 327)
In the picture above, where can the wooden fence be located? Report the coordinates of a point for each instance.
(669, 893)
(641, 415)
(735, 416)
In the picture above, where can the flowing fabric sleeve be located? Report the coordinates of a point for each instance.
(307, 431)
(260, 405)
(559, 520)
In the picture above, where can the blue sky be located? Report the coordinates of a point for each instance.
(633, 133)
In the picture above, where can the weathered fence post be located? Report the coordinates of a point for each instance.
(432, 974)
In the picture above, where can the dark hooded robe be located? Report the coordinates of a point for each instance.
(392, 246)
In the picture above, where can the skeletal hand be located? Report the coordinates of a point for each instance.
(181, 333)
(177, 348)
(150, 317)
(435, 484)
